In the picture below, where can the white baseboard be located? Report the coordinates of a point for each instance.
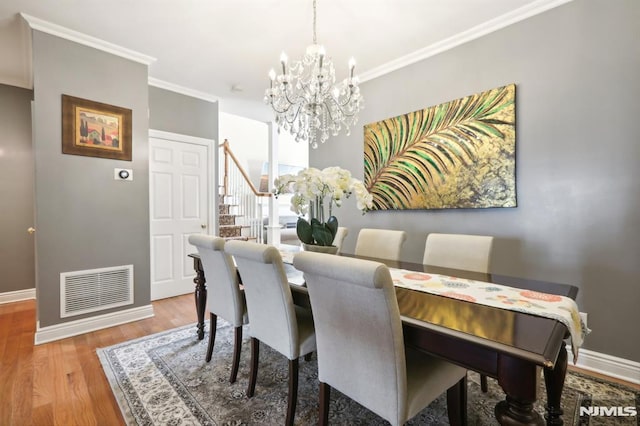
(16, 296)
(608, 365)
(86, 325)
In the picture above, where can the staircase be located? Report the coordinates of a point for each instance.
(240, 204)
(228, 229)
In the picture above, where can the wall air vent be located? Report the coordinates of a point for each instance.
(95, 290)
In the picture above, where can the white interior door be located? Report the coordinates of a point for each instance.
(179, 207)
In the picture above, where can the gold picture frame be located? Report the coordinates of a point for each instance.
(94, 129)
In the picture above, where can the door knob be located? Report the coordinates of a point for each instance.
(203, 226)
(31, 230)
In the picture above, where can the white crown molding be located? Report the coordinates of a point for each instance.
(478, 31)
(608, 365)
(78, 37)
(16, 296)
(23, 82)
(86, 325)
(161, 84)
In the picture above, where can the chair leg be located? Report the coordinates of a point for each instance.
(212, 335)
(293, 391)
(457, 403)
(237, 347)
(253, 373)
(325, 395)
(483, 383)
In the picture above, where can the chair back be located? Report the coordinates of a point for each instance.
(272, 316)
(225, 298)
(458, 251)
(380, 243)
(358, 330)
(341, 234)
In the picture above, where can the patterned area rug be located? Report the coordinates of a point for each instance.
(163, 379)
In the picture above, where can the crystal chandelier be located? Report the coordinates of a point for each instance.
(306, 99)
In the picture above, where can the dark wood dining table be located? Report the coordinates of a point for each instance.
(507, 345)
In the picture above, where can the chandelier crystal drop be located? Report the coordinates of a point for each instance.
(306, 99)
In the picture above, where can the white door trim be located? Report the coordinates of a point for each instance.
(211, 167)
(211, 171)
(159, 134)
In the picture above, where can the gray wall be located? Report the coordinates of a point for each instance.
(172, 112)
(85, 218)
(16, 190)
(576, 68)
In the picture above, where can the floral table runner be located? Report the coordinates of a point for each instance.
(559, 308)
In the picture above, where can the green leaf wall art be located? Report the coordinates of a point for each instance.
(459, 154)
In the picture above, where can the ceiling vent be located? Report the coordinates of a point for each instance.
(93, 290)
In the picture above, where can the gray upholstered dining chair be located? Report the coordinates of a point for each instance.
(460, 251)
(380, 243)
(361, 351)
(341, 234)
(273, 317)
(226, 300)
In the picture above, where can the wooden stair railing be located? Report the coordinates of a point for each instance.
(241, 204)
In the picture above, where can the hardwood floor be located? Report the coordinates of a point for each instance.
(62, 382)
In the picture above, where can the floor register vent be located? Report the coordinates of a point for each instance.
(95, 290)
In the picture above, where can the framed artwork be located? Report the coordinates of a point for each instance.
(459, 154)
(95, 129)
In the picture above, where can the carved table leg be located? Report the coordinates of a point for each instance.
(518, 379)
(200, 294)
(554, 382)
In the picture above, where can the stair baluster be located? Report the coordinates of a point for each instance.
(240, 201)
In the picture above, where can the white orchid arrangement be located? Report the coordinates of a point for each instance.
(310, 188)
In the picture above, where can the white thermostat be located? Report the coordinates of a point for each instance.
(123, 174)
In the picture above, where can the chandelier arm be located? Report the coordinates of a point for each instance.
(279, 111)
(292, 102)
(275, 108)
(347, 100)
(341, 105)
(286, 96)
(294, 118)
(326, 107)
(347, 114)
(299, 97)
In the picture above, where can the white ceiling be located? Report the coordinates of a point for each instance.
(209, 46)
